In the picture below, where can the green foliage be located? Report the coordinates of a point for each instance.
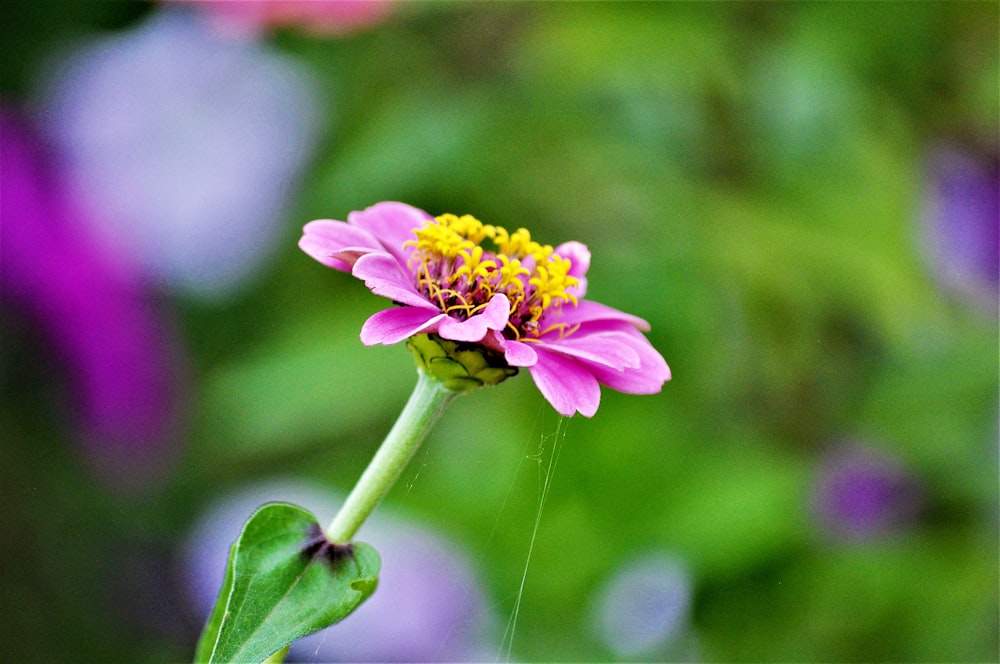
(283, 581)
(749, 178)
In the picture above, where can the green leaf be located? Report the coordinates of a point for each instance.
(284, 580)
(211, 632)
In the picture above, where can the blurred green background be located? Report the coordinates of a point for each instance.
(750, 178)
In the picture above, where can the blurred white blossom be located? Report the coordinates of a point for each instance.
(185, 147)
(644, 608)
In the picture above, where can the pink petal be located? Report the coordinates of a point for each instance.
(567, 385)
(611, 349)
(588, 311)
(315, 243)
(648, 378)
(393, 224)
(391, 326)
(519, 354)
(493, 317)
(386, 277)
(579, 257)
(337, 244)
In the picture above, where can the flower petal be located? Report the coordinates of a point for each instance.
(393, 224)
(610, 349)
(567, 385)
(493, 317)
(337, 244)
(391, 326)
(385, 276)
(648, 378)
(589, 311)
(579, 257)
(519, 354)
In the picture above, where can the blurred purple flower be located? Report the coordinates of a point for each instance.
(428, 606)
(90, 309)
(329, 17)
(183, 147)
(644, 607)
(962, 220)
(863, 494)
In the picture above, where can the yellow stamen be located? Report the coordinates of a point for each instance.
(470, 274)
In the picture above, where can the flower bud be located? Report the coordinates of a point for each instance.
(459, 366)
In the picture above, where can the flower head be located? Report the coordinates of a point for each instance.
(461, 280)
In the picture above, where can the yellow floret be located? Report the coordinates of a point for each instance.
(453, 246)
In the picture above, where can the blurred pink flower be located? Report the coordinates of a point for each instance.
(91, 310)
(469, 282)
(337, 17)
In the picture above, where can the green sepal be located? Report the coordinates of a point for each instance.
(459, 366)
(284, 580)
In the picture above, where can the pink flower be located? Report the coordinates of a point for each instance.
(470, 282)
(335, 17)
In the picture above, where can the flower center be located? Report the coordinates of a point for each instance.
(457, 272)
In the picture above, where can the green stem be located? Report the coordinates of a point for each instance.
(429, 398)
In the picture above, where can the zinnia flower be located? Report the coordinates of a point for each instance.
(519, 303)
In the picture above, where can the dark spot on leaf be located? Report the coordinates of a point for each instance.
(318, 546)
